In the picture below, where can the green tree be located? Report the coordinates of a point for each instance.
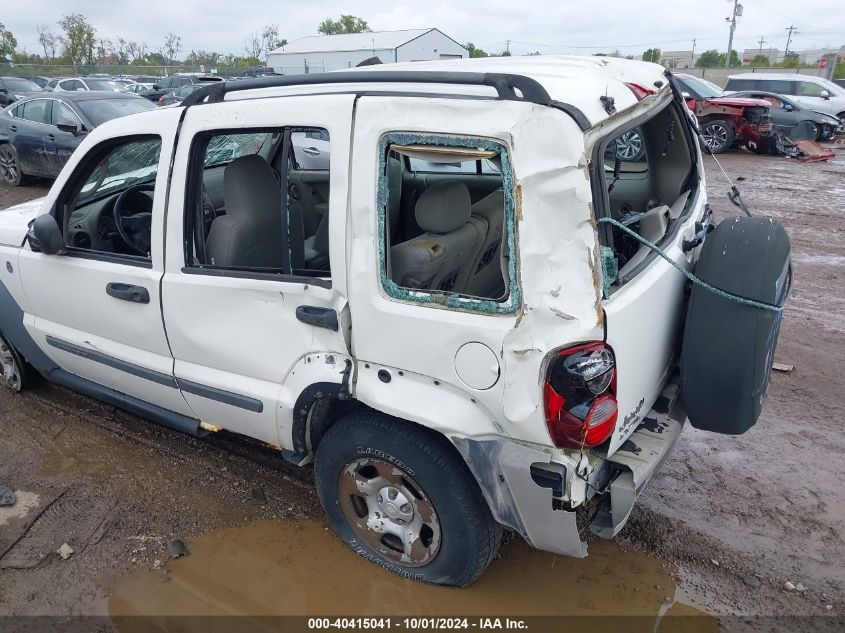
(652, 55)
(473, 51)
(791, 60)
(709, 59)
(345, 24)
(270, 36)
(8, 43)
(80, 37)
(735, 60)
(760, 60)
(171, 47)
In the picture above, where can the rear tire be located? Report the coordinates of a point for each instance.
(718, 135)
(400, 496)
(10, 168)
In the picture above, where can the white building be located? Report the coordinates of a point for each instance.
(318, 53)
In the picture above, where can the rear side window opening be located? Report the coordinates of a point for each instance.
(646, 177)
(446, 222)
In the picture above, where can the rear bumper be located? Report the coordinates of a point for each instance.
(503, 469)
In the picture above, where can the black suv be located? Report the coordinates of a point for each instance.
(169, 84)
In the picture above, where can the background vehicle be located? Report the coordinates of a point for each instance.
(38, 134)
(40, 81)
(81, 84)
(786, 114)
(177, 95)
(812, 92)
(14, 88)
(162, 86)
(138, 88)
(726, 122)
(259, 71)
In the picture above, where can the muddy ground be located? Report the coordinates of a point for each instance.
(726, 524)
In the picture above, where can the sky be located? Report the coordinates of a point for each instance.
(547, 26)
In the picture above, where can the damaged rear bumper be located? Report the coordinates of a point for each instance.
(537, 507)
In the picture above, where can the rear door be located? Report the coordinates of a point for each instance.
(240, 333)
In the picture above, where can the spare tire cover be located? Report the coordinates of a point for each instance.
(728, 347)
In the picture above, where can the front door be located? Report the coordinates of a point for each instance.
(247, 304)
(59, 145)
(96, 311)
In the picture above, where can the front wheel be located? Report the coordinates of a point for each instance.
(400, 496)
(10, 169)
(718, 135)
(13, 374)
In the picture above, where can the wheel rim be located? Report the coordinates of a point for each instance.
(8, 165)
(11, 377)
(715, 136)
(629, 145)
(390, 512)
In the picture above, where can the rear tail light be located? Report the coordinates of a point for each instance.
(580, 396)
(161, 99)
(640, 92)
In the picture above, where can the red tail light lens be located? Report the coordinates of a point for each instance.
(580, 396)
(640, 92)
(161, 100)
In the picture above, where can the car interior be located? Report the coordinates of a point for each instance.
(650, 193)
(445, 229)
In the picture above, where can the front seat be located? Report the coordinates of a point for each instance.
(441, 257)
(250, 233)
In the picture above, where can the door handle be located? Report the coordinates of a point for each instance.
(311, 151)
(13, 128)
(50, 137)
(128, 292)
(318, 317)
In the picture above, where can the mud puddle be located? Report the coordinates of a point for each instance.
(271, 568)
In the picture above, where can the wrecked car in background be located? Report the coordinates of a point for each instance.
(726, 122)
(787, 114)
(468, 316)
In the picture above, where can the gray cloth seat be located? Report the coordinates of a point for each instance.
(250, 233)
(441, 257)
(486, 278)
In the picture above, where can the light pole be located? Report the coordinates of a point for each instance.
(735, 13)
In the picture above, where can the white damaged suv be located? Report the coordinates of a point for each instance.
(471, 317)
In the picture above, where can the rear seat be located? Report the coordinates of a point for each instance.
(486, 276)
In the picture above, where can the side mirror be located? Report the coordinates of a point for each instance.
(69, 126)
(687, 96)
(825, 94)
(45, 237)
(156, 87)
(788, 107)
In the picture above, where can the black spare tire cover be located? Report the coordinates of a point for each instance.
(728, 347)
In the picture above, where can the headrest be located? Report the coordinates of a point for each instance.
(444, 207)
(249, 187)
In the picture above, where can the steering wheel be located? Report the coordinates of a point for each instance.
(135, 227)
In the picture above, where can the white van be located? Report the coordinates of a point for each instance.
(814, 92)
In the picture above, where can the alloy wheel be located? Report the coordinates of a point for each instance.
(390, 512)
(8, 165)
(715, 136)
(629, 146)
(12, 375)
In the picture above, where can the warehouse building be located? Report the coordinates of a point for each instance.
(319, 53)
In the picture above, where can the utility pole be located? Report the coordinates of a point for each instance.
(760, 50)
(737, 11)
(791, 30)
(508, 47)
(692, 57)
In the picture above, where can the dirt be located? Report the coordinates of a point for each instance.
(720, 530)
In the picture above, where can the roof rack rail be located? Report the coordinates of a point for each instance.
(509, 87)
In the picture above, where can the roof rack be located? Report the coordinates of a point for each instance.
(509, 87)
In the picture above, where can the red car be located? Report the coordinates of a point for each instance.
(726, 121)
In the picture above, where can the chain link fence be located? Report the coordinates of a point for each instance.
(82, 70)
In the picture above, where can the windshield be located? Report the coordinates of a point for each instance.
(99, 111)
(704, 90)
(104, 84)
(21, 85)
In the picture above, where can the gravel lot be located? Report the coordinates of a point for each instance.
(723, 528)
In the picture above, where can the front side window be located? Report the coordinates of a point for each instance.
(809, 89)
(249, 209)
(110, 199)
(14, 84)
(446, 217)
(62, 113)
